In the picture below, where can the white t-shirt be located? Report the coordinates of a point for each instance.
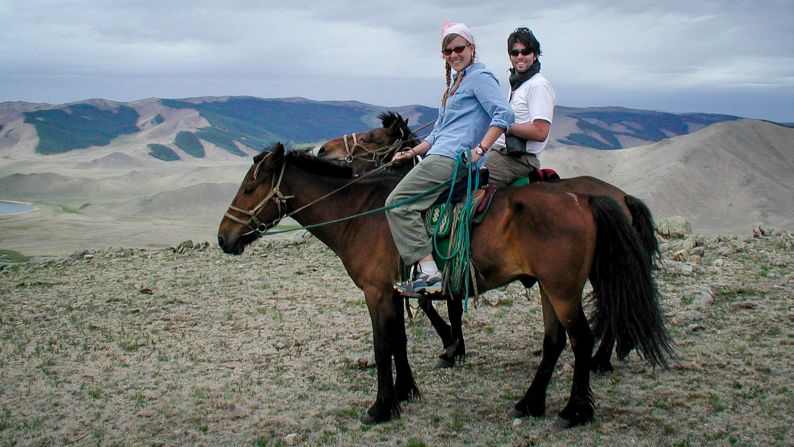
(534, 99)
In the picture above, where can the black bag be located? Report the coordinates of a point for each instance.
(515, 145)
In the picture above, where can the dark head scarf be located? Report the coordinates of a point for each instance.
(516, 79)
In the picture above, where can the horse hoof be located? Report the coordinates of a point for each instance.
(604, 367)
(444, 362)
(516, 414)
(562, 423)
(373, 420)
(573, 416)
(377, 414)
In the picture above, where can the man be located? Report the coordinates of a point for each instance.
(532, 99)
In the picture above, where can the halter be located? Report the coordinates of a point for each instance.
(350, 149)
(376, 156)
(253, 223)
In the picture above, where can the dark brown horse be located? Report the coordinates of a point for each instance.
(376, 147)
(535, 234)
(372, 149)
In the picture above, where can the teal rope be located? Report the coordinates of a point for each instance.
(460, 250)
(365, 213)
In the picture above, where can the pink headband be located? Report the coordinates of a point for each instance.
(456, 28)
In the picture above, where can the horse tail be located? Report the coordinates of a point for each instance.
(642, 221)
(626, 295)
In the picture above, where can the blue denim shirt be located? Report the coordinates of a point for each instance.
(476, 105)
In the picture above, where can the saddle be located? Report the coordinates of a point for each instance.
(443, 225)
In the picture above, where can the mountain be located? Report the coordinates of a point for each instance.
(229, 127)
(723, 178)
(617, 127)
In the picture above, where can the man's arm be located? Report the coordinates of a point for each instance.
(537, 130)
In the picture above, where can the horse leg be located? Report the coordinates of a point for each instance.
(580, 408)
(404, 385)
(386, 338)
(442, 329)
(625, 346)
(601, 362)
(455, 309)
(456, 349)
(534, 401)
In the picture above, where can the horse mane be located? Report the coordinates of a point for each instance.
(318, 166)
(383, 181)
(387, 119)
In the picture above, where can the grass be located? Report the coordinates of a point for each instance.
(80, 126)
(162, 152)
(11, 257)
(189, 142)
(281, 365)
(5, 416)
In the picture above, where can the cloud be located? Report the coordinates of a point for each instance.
(343, 50)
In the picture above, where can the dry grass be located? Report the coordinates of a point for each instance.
(167, 347)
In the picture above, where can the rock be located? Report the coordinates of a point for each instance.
(719, 262)
(184, 247)
(80, 254)
(701, 299)
(292, 439)
(762, 229)
(517, 422)
(785, 240)
(675, 227)
(690, 316)
(691, 242)
(679, 268)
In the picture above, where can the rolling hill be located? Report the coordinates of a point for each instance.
(223, 127)
(726, 177)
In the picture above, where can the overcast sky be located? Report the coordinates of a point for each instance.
(719, 56)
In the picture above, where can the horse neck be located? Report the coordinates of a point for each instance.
(312, 192)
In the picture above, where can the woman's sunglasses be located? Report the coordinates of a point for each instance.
(524, 52)
(448, 51)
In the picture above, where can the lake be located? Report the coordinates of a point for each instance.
(7, 208)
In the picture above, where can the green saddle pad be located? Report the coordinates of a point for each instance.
(441, 221)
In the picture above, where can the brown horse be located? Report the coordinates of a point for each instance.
(377, 146)
(535, 234)
(372, 149)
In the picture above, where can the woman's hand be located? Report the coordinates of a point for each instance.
(473, 155)
(404, 155)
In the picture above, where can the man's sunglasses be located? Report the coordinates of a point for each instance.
(448, 51)
(524, 52)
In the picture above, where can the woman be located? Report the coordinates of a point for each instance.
(473, 114)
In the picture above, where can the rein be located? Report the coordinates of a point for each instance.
(280, 200)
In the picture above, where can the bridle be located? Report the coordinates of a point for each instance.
(280, 200)
(374, 156)
(349, 149)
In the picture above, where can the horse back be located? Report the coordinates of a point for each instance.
(536, 230)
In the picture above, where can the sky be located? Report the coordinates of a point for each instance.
(713, 56)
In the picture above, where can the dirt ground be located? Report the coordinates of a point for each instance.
(188, 346)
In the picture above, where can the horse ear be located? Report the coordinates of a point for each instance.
(277, 153)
